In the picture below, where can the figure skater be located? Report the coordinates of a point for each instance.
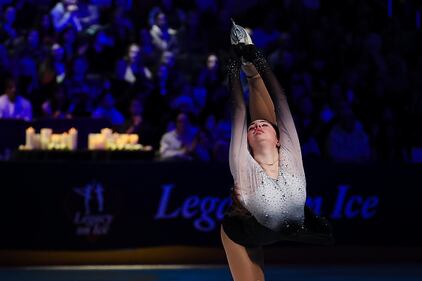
(269, 191)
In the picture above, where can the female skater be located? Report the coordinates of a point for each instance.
(269, 191)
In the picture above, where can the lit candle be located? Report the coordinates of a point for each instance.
(37, 141)
(115, 138)
(133, 138)
(56, 140)
(73, 139)
(100, 142)
(106, 132)
(65, 144)
(29, 138)
(91, 141)
(125, 138)
(45, 137)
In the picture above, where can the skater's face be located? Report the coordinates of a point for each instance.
(261, 132)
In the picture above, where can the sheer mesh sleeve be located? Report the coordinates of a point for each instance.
(239, 157)
(290, 150)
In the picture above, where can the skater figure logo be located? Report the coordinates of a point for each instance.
(88, 210)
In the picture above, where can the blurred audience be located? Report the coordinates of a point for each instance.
(351, 73)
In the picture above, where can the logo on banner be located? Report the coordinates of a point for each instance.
(89, 210)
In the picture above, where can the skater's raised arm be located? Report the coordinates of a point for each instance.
(288, 134)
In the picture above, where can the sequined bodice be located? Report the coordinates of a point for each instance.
(278, 201)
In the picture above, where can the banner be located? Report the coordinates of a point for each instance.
(127, 204)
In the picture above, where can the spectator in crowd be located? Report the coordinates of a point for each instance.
(46, 28)
(88, 13)
(202, 146)
(347, 140)
(30, 52)
(4, 59)
(210, 76)
(307, 128)
(132, 77)
(222, 141)
(8, 30)
(178, 143)
(137, 124)
(163, 37)
(122, 28)
(31, 46)
(107, 110)
(67, 40)
(169, 80)
(12, 105)
(150, 54)
(100, 53)
(77, 82)
(131, 69)
(53, 68)
(64, 14)
(57, 105)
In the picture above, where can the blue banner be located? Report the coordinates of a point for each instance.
(127, 204)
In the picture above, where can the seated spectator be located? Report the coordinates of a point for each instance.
(107, 110)
(168, 78)
(163, 37)
(347, 140)
(76, 83)
(68, 40)
(13, 106)
(53, 69)
(31, 46)
(88, 13)
(100, 53)
(4, 59)
(178, 143)
(121, 27)
(183, 103)
(8, 31)
(307, 128)
(130, 67)
(202, 146)
(136, 124)
(222, 140)
(64, 14)
(57, 105)
(30, 52)
(218, 133)
(149, 54)
(46, 29)
(210, 76)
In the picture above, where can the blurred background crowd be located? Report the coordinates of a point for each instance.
(351, 70)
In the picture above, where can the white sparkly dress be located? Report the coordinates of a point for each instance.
(268, 210)
(273, 202)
